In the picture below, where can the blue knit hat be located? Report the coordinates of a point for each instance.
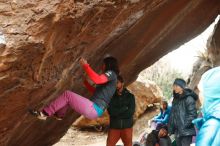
(210, 84)
(180, 82)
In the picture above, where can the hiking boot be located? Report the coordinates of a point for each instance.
(38, 114)
(57, 117)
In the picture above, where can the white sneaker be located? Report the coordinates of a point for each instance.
(38, 114)
(58, 118)
(41, 116)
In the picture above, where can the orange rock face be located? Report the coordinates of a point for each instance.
(44, 40)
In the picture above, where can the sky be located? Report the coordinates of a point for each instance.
(183, 57)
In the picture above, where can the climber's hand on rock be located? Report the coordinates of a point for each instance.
(82, 61)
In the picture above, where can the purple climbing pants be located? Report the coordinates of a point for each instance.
(78, 103)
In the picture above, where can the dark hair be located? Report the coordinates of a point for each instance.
(120, 79)
(161, 126)
(165, 102)
(111, 63)
(180, 82)
(164, 127)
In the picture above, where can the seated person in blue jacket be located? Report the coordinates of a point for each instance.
(163, 117)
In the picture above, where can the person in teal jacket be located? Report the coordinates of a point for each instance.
(163, 117)
(209, 125)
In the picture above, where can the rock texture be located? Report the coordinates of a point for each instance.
(209, 59)
(45, 38)
(214, 46)
(145, 96)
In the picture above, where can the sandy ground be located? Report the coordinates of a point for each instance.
(76, 137)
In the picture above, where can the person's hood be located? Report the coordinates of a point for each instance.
(210, 84)
(188, 92)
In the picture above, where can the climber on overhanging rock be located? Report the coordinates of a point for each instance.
(90, 108)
